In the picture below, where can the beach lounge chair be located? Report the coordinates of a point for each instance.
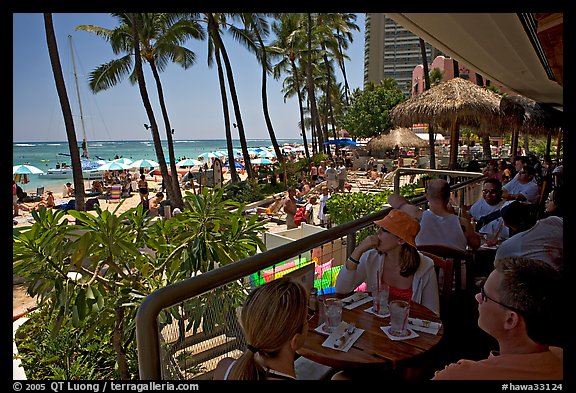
(39, 192)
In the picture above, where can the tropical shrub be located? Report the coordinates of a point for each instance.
(90, 277)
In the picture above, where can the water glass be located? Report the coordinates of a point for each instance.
(333, 314)
(380, 303)
(399, 310)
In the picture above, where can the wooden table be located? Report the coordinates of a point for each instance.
(373, 347)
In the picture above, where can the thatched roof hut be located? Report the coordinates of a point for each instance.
(403, 137)
(450, 104)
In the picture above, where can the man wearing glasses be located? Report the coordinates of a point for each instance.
(520, 306)
(524, 189)
(486, 210)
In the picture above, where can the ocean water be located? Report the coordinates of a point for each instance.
(46, 155)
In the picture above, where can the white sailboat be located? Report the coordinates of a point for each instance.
(89, 171)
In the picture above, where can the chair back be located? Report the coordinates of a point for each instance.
(460, 259)
(445, 272)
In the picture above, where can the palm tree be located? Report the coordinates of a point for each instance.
(311, 89)
(288, 44)
(217, 20)
(66, 112)
(259, 26)
(161, 36)
(344, 36)
(214, 52)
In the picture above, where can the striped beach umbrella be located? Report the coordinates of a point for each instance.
(144, 163)
(113, 166)
(26, 170)
(189, 162)
(208, 155)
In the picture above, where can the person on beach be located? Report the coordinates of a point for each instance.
(154, 204)
(67, 190)
(322, 210)
(274, 319)
(290, 208)
(519, 305)
(143, 189)
(15, 206)
(390, 257)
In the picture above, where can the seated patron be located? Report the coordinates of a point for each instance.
(274, 320)
(391, 257)
(439, 225)
(518, 304)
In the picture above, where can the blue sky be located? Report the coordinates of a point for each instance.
(192, 96)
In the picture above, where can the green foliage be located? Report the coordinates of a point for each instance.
(93, 275)
(70, 355)
(368, 115)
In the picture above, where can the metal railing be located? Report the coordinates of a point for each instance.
(165, 307)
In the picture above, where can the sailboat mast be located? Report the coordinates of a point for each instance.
(84, 143)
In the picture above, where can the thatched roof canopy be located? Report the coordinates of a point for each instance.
(403, 137)
(528, 115)
(455, 101)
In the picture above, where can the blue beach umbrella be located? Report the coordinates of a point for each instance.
(341, 142)
(26, 170)
(123, 160)
(113, 166)
(144, 163)
(236, 164)
(189, 162)
(208, 155)
(261, 161)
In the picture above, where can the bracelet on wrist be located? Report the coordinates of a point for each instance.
(355, 261)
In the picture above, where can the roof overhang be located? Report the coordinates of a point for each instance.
(505, 48)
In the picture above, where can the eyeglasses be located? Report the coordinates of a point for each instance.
(489, 191)
(486, 297)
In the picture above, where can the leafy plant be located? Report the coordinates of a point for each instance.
(92, 276)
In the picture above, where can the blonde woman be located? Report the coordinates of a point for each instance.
(274, 320)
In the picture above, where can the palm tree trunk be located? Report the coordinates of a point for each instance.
(66, 112)
(311, 94)
(265, 102)
(235, 103)
(146, 101)
(173, 191)
(230, 147)
(302, 124)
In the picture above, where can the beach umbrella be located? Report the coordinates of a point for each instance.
(26, 170)
(341, 142)
(113, 166)
(267, 154)
(236, 165)
(189, 162)
(449, 105)
(261, 161)
(123, 160)
(144, 163)
(208, 155)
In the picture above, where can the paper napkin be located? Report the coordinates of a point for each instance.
(386, 330)
(424, 325)
(371, 311)
(356, 299)
(346, 340)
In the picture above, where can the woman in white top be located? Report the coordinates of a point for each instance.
(274, 320)
(391, 257)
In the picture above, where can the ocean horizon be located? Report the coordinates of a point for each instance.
(45, 155)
